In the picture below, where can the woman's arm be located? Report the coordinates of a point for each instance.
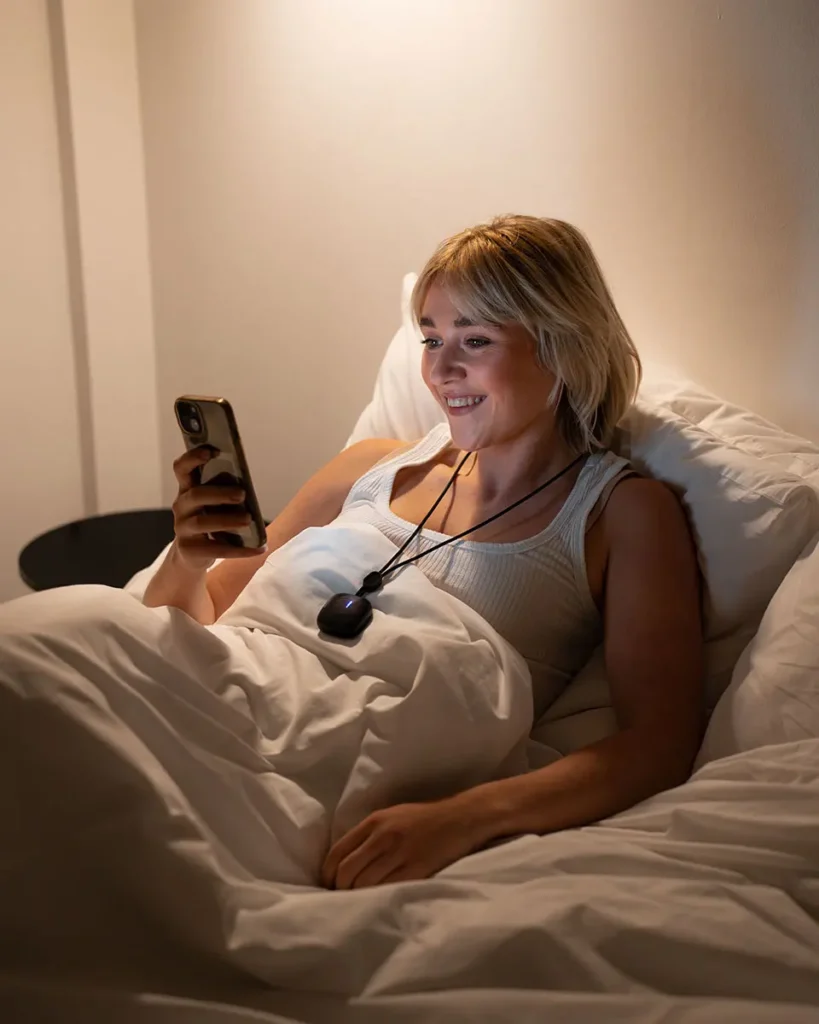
(207, 594)
(176, 584)
(654, 660)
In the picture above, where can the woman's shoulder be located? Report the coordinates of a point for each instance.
(371, 450)
(353, 462)
(640, 508)
(365, 455)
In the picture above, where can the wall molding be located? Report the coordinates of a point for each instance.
(96, 84)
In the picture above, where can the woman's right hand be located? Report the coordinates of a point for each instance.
(195, 517)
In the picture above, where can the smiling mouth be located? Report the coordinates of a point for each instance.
(464, 402)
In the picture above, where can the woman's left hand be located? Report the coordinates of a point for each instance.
(396, 844)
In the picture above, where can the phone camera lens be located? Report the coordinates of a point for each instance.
(189, 417)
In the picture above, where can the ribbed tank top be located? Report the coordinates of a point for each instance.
(534, 592)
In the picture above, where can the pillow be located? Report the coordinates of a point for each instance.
(774, 692)
(401, 406)
(743, 430)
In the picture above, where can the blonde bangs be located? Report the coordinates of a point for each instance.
(477, 278)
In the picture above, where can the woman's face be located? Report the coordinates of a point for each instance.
(486, 378)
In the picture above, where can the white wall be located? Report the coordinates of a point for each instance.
(302, 156)
(42, 480)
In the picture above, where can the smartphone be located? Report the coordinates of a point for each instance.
(211, 421)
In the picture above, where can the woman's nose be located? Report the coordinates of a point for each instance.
(445, 367)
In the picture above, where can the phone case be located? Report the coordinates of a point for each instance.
(229, 467)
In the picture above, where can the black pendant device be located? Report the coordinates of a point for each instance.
(346, 616)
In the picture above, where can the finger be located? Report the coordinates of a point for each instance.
(200, 497)
(377, 871)
(201, 523)
(217, 549)
(343, 848)
(186, 464)
(372, 849)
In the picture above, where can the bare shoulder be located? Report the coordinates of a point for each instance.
(643, 497)
(366, 453)
(644, 518)
(353, 462)
(325, 491)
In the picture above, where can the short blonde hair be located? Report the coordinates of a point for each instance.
(543, 274)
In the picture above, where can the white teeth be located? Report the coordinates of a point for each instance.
(459, 403)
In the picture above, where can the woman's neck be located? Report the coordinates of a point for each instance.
(511, 469)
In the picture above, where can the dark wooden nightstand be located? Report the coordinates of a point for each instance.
(106, 549)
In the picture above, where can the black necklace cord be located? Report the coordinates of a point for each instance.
(374, 580)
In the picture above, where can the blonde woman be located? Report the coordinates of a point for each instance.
(529, 359)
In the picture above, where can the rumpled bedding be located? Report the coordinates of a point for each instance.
(169, 790)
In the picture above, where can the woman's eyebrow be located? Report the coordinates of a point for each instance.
(461, 321)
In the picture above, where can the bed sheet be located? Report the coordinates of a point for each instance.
(30, 1002)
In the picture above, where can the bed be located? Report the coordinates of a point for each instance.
(145, 878)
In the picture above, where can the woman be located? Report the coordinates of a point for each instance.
(528, 357)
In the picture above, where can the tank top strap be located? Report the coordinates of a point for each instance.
(597, 509)
(376, 484)
(598, 476)
(593, 488)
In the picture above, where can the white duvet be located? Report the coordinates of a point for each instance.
(168, 791)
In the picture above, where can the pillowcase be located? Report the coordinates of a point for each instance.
(743, 430)
(774, 692)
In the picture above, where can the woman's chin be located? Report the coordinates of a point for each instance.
(467, 437)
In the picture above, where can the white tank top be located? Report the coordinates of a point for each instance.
(534, 592)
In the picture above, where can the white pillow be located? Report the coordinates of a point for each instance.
(741, 429)
(774, 693)
(401, 406)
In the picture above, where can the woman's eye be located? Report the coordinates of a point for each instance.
(469, 342)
